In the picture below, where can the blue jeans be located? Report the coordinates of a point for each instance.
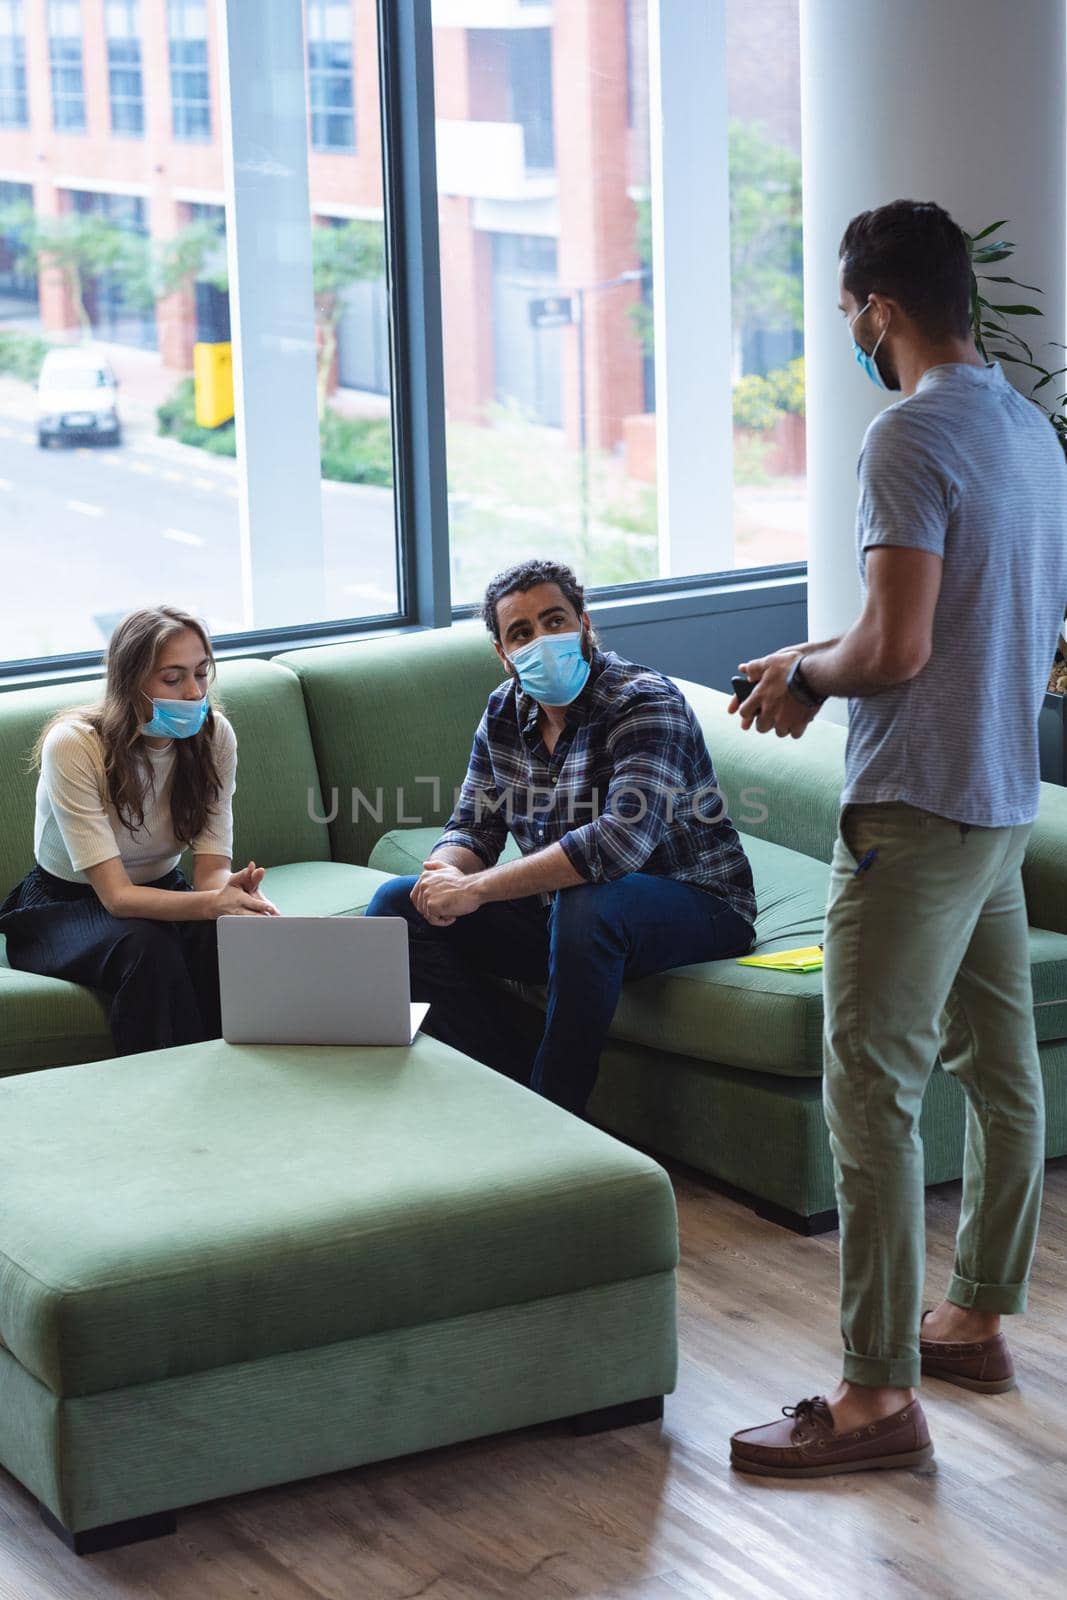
(581, 947)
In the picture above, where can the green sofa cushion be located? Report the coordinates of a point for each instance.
(48, 1023)
(402, 851)
(322, 888)
(745, 1016)
(193, 1208)
(393, 721)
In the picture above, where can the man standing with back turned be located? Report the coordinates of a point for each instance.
(962, 535)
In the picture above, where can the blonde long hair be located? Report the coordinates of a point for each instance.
(132, 653)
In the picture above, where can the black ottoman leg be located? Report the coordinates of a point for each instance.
(625, 1416)
(89, 1541)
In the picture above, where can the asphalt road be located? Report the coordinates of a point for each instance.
(87, 533)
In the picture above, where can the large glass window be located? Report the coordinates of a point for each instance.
(329, 35)
(124, 72)
(767, 372)
(546, 218)
(14, 104)
(65, 58)
(351, 317)
(546, 183)
(190, 86)
(543, 177)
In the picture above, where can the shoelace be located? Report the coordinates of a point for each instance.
(814, 1410)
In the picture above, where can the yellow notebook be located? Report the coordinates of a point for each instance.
(809, 959)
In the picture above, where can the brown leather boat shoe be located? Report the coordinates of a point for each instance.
(806, 1445)
(985, 1365)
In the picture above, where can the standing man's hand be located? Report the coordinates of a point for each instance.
(770, 705)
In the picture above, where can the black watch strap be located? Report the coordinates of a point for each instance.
(801, 689)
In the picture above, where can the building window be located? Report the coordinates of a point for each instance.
(117, 313)
(190, 89)
(124, 76)
(14, 107)
(65, 57)
(329, 36)
(530, 84)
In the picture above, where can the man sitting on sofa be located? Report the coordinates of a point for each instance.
(630, 864)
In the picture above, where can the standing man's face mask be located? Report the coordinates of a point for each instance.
(867, 362)
(176, 719)
(552, 669)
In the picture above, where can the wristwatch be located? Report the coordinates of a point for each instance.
(801, 689)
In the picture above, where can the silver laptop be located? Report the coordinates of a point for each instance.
(316, 980)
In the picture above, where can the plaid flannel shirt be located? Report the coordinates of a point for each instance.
(629, 787)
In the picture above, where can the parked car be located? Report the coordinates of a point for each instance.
(77, 397)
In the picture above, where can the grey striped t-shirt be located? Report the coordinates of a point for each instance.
(969, 469)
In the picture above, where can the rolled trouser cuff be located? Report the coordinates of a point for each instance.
(881, 1372)
(1007, 1298)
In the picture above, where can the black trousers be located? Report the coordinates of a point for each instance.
(161, 978)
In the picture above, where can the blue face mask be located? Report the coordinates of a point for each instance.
(176, 719)
(867, 362)
(552, 669)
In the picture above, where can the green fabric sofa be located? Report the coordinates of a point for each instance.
(717, 1066)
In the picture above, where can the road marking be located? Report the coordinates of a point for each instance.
(203, 483)
(181, 537)
(27, 438)
(85, 508)
(174, 477)
(231, 490)
(142, 467)
(5, 483)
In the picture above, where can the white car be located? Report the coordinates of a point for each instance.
(77, 397)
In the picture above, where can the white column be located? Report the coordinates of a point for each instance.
(961, 102)
(691, 276)
(268, 217)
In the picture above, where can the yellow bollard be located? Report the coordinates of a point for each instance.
(213, 383)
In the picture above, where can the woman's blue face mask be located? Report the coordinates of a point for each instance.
(176, 719)
(867, 362)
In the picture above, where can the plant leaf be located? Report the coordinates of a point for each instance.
(1018, 311)
(993, 226)
(987, 257)
(987, 277)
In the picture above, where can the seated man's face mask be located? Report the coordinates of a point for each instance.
(552, 669)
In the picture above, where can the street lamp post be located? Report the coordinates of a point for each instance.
(569, 307)
(633, 275)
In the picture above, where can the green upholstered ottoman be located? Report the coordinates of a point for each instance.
(224, 1266)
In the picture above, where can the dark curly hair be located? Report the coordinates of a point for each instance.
(527, 575)
(912, 252)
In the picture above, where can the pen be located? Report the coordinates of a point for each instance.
(865, 863)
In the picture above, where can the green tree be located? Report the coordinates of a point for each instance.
(765, 236)
(765, 231)
(196, 252)
(81, 247)
(341, 256)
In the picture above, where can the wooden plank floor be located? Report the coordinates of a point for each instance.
(653, 1513)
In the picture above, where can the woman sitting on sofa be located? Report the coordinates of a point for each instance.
(124, 786)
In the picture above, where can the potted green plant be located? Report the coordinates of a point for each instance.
(997, 340)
